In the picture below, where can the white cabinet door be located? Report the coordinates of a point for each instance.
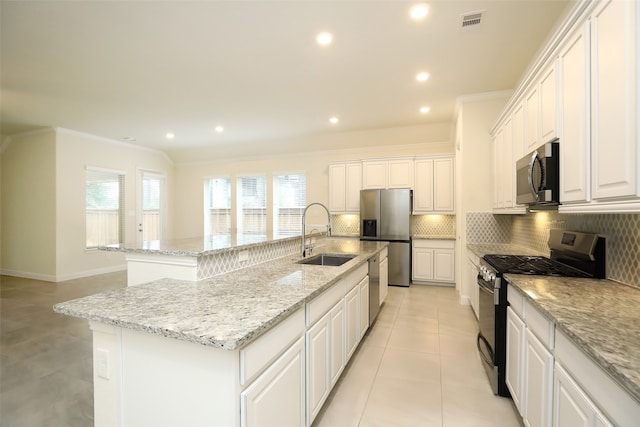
(277, 397)
(515, 348)
(571, 405)
(538, 385)
(364, 306)
(507, 166)
(318, 365)
(443, 187)
(614, 139)
(374, 174)
(337, 334)
(352, 315)
(423, 186)
(384, 279)
(345, 182)
(573, 69)
(400, 173)
(422, 264)
(548, 98)
(532, 125)
(444, 265)
(337, 187)
(353, 186)
(497, 169)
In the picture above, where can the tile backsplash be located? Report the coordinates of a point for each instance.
(421, 225)
(532, 231)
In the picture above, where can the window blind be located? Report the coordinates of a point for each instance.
(252, 205)
(104, 207)
(289, 201)
(217, 218)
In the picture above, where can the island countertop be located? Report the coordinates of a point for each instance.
(600, 316)
(226, 311)
(199, 246)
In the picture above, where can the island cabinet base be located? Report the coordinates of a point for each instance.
(142, 379)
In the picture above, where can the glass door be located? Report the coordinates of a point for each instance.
(151, 206)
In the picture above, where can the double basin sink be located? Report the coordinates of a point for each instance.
(334, 260)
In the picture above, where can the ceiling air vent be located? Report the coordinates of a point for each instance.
(471, 20)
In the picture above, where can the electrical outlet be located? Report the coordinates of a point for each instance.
(102, 363)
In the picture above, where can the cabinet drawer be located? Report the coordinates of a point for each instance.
(516, 301)
(542, 327)
(434, 244)
(323, 303)
(262, 352)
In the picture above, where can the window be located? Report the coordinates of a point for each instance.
(217, 199)
(252, 205)
(289, 201)
(104, 207)
(152, 195)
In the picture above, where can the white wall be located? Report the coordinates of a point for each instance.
(404, 141)
(474, 156)
(75, 151)
(28, 205)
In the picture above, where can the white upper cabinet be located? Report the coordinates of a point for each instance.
(387, 173)
(548, 101)
(573, 111)
(531, 125)
(598, 112)
(434, 185)
(345, 183)
(614, 139)
(507, 149)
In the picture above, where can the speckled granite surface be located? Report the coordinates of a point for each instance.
(481, 250)
(600, 316)
(226, 311)
(200, 246)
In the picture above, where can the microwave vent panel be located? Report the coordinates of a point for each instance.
(471, 20)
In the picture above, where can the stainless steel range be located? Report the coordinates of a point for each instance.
(573, 254)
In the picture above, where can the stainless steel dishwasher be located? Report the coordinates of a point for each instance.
(374, 287)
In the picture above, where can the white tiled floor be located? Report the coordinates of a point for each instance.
(418, 366)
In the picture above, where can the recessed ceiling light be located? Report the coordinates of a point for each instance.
(324, 38)
(333, 120)
(128, 138)
(219, 129)
(425, 109)
(418, 12)
(170, 135)
(422, 76)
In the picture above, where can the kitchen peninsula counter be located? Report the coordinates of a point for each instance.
(599, 316)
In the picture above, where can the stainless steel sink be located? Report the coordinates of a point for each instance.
(334, 260)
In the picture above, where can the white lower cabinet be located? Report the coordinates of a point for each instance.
(283, 381)
(538, 376)
(338, 353)
(319, 354)
(384, 279)
(515, 357)
(433, 261)
(571, 406)
(363, 287)
(352, 315)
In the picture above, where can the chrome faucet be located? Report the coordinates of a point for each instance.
(304, 215)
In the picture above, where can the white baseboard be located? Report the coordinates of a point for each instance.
(29, 275)
(54, 278)
(464, 300)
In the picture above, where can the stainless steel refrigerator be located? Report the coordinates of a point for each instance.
(385, 215)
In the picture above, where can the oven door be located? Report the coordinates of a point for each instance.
(486, 340)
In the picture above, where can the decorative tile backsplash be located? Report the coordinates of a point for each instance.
(532, 231)
(433, 225)
(421, 225)
(485, 227)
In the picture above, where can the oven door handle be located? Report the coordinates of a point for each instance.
(488, 358)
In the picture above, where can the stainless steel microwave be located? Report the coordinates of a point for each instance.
(538, 177)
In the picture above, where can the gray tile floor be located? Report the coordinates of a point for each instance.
(417, 366)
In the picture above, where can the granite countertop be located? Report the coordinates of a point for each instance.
(600, 316)
(482, 249)
(198, 246)
(226, 311)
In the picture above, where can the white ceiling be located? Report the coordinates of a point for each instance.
(144, 68)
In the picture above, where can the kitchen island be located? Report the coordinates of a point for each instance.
(235, 349)
(202, 257)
